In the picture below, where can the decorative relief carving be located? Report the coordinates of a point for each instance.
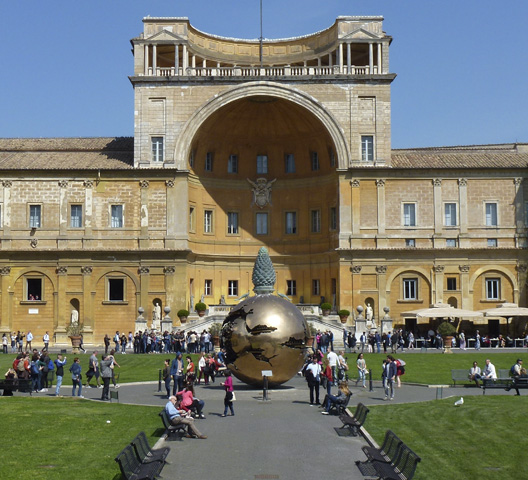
(169, 183)
(63, 183)
(88, 183)
(462, 182)
(144, 183)
(261, 191)
(169, 270)
(517, 181)
(522, 268)
(33, 242)
(437, 182)
(354, 183)
(61, 270)
(7, 183)
(143, 270)
(381, 269)
(5, 270)
(380, 183)
(439, 268)
(464, 268)
(87, 270)
(356, 268)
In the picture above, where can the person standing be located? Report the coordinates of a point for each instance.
(76, 372)
(332, 361)
(29, 339)
(13, 342)
(106, 343)
(45, 339)
(117, 339)
(388, 376)
(477, 341)
(4, 343)
(362, 370)
(328, 378)
(176, 416)
(106, 365)
(167, 376)
(176, 372)
(313, 377)
(229, 395)
(93, 370)
(59, 363)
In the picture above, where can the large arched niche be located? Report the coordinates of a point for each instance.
(260, 113)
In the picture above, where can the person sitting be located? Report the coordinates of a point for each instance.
(10, 376)
(189, 403)
(341, 398)
(179, 416)
(475, 374)
(489, 372)
(522, 374)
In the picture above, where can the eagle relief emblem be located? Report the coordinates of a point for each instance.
(261, 191)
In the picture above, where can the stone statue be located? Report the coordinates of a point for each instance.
(156, 315)
(74, 317)
(369, 313)
(222, 300)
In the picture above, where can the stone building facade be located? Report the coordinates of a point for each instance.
(239, 145)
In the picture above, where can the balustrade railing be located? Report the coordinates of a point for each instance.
(284, 71)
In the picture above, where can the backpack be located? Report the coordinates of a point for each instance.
(34, 368)
(51, 367)
(512, 370)
(20, 366)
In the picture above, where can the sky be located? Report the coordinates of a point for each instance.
(461, 65)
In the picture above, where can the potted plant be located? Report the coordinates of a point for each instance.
(200, 308)
(447, 330)
(311, 334)
(326, 307)
(343, 315)
(183, 314)
(215, 329)
(74, 332)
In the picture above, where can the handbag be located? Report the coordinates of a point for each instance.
(234, 397)
(324, 382)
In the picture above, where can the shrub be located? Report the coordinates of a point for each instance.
(446, 329)
(183, 313)
(343, 313)
(215, 329)
(326, 306)
(200, 307)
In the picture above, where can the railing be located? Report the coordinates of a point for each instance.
(284, 71)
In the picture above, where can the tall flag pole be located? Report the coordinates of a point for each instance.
(260, 50)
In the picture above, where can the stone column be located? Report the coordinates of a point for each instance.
(520, 291)
(177, 58)
(348, 58)
(88, 207)
(6, 214)
(437, 196)
(177, 213)
(144, 283)
(154, 59)
(61, 317)
(5, 319)
(464, 286)
(380, 63)
(340, 58)
(439, 284)
(463, 210)
(144, 242)
(519, 208)
(146, 61)
(88, 300)
(371, 58)
(63, 207)
(381, 236)
(381, 271)
(356, 213)
(185, 59)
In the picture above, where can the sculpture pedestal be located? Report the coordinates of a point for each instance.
(166, 325)
(361, 327)
(141, 325)
(386, 325)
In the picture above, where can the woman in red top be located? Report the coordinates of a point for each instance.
(228, 399)
(327, 373)
(189, 403)
(189, 372)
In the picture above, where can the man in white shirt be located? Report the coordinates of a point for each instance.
(45, 338)
(29, 339)
(332, 362)
(489, 370)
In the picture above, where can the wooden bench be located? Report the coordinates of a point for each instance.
(16, 385)
(458, 375)
(132, 469)
(355, 422)
(144, 453)
(169, 427)
(506, 384)
(340, 408)
(387, 453)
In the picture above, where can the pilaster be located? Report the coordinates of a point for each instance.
(144, 242)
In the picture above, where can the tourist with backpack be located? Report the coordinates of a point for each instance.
(60, 363)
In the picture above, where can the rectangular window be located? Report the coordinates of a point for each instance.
(291, 222)
(451, 243)
(208, 221)
(410, 288)
(208, 288)
(232, 223)
(492, 242)
(409, 214)
(289, 163)
(116, 289)
(316, 287)
(157, 149)
(315, 223)
(410, 242)
(116, 216)
(232, 164)
(492, 288)
(291, 288)
(232, 288)
(315, 161)
(450, 215)
(192, 219)
(34, 216)
(451, 283)
(262, 223)
(262, 164)
(76, 216)
(333, 218)
(491, 215)
(367, 148)
(34, 289)
(208, 162)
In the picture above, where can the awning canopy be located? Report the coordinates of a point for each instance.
(506, 310)
(441, 310)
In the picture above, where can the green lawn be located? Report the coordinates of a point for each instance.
(45, 438)
(484, 438)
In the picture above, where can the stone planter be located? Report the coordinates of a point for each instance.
(201, 313)
(76, 343)
(183, 319)
(448, 342)
(343, 318)
(326, 313)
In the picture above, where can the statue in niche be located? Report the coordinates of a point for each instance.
(74, 319)
(369, 313)
(156, 315)
(222, 300)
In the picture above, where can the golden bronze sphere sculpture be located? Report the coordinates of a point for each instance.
(264, 332)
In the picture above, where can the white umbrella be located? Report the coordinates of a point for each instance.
(439, 310)
(506, 310)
